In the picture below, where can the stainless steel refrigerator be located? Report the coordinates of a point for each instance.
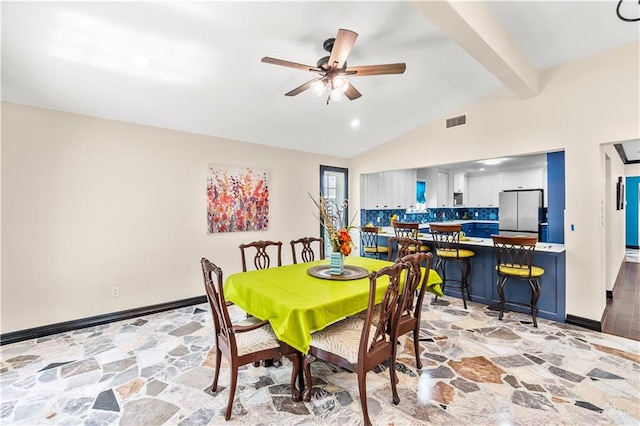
(520, 212)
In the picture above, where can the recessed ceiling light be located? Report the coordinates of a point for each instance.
(142, 60)
(482, 169)
(492, 162)
(355, 123)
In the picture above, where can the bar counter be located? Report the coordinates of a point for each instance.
(483, 277)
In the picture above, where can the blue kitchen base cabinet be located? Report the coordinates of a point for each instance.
(483, 278)
(480, 230)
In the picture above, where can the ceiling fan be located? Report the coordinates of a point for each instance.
(333, 69)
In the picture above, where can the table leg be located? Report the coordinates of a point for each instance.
(296, 370)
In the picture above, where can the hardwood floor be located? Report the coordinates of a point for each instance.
(622, 315)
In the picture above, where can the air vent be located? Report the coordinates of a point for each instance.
(456, 121)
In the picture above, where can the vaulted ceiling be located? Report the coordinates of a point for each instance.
(195, 66)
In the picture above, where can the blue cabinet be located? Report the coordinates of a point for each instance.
(483, 277)
(544, 233)
(555, 196)
(468, 229)
(485, 230)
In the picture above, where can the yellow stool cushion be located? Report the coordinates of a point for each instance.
(373, 250)
(412, 249)
(454, 253)
(520, 270)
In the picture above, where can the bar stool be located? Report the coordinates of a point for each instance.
(369, 240)
(515, 255)
(409, 230)
(447, 241)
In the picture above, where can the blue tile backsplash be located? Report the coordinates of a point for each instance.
(382, 217)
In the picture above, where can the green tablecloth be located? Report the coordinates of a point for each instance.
(297, 304)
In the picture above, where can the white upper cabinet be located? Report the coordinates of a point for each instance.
(530, 179)
(368, 192)
(389, 190)
(483, 190)
(460, 182)
(472, 197)
(404, 189)
(385, 190)
(443, 190)
(492, 194)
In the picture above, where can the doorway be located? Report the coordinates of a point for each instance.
(334, 186)
(632, 215)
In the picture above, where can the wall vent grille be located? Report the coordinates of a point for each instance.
(456, 121)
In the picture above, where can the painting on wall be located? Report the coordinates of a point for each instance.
(237, 199)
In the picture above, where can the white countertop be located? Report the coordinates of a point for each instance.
(446, 222)
(387, 231)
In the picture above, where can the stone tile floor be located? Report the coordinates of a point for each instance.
(157, 370)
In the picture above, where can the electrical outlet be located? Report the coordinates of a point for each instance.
(115, 291)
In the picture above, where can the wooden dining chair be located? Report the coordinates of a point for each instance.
(356, 344)
(514, 260)
(413, 297)
(307, 252)
(409, 230)
(369, 241)
(249, 341)
(399, 247)
(262, 260)
(263, 252)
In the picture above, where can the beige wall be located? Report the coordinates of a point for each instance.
(582, 105)
(88, 204)
(632, 170)
(613, 237)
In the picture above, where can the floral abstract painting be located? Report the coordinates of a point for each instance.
(237, 199)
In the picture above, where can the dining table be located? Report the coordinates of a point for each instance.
(302, 298)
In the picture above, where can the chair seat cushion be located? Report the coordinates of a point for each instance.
(373, 250)
(520, 270)
(454, 253)
(255, 340)
(376, 315)
(342, 338)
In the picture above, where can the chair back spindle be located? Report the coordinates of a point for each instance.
(369, 241)
(261, 259)
(515, 252)
(403, 247)
(307, 252)
(406, 229)
(446, 237)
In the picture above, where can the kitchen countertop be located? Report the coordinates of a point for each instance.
(425, 225)
(387, 231)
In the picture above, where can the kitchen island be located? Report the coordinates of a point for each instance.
(483, 277)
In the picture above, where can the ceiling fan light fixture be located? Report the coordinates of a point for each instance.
(336, 95)
(333, 69)
(318, 88)
(340, 83)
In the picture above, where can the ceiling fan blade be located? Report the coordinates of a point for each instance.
(341, 48)
(376, 69)
(290, 64)
(302, 87)
(352, 93)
